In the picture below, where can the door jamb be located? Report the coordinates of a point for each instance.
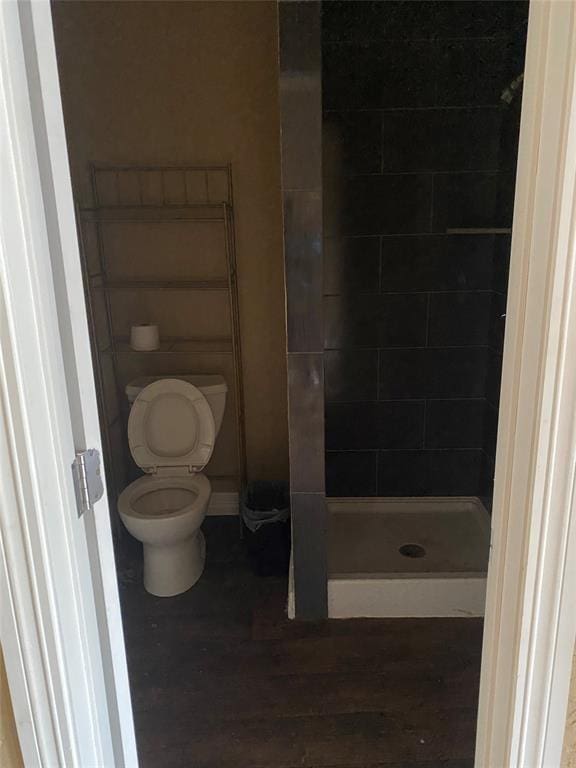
(530, 623)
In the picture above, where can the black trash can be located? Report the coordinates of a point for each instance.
(266, 527)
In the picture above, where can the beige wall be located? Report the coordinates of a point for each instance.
(10, 756)
(194, 82)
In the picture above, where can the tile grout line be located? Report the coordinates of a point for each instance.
(378, 376)
(417, 172)
(413, 347)
(443, 234)
(436, 57)
(407, 292)
(362, 42)
(477, 399)
(387, 110)
(380, 254)
(382, 143)
(432, 194)
(425, 416)
(414, 449)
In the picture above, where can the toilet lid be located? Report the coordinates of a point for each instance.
(171, 426)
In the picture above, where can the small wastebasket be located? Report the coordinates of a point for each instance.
(266, 527)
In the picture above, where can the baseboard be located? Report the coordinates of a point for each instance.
(223, 503)
(402, 597)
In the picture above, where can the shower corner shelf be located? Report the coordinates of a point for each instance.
(478, 231)
(166, 194)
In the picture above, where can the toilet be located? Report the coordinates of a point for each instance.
(172, 429)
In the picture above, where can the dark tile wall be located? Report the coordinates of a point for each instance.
(417, 142)
(301, 141)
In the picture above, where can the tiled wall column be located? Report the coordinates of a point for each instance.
(301, 124)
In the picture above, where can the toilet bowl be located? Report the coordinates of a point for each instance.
(171, 433)
(165, 514)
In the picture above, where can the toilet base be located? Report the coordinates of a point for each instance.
(171, 570)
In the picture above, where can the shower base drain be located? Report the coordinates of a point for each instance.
(412, 550)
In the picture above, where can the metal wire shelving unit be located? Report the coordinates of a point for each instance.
(185, 195)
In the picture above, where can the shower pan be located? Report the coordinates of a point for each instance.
(401, 557)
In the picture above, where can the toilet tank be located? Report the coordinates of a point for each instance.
(212, 386)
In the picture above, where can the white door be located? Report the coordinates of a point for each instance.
(60, 626)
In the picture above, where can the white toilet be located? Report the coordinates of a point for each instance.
(172, 429)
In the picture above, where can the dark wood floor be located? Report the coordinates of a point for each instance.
(221, 679)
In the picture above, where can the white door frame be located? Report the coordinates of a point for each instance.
(530, 623)
(60, 623)
(71, 699)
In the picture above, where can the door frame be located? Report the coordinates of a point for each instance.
(60, 675)
(530, 622)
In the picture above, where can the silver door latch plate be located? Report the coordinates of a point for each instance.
(87, 476)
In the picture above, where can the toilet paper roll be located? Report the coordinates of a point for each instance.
(144, 338)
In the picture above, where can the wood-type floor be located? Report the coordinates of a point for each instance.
(221, 679)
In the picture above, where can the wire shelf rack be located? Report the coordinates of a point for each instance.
(153, 196)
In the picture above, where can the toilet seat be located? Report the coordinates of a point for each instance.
(171, 428)
(132, 500)
(171, 433)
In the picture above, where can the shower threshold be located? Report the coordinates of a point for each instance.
(407, 557)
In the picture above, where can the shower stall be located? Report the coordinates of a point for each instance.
(418, 110)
